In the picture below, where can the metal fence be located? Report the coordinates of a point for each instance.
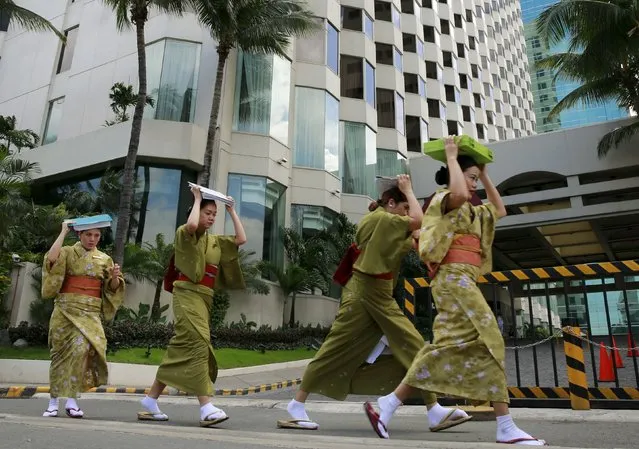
(600, 299)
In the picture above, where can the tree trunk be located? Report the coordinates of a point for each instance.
(155, 308)
(126, 196)
(143, 206)
(291, 320)
(212, 154)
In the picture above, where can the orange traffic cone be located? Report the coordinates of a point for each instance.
(631, 344)
(617, 354)
(606, 373)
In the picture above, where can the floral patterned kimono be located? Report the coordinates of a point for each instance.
(466, 358)
(76, 336)
(189, 363)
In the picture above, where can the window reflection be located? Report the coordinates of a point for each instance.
(332, 44)
(54, 117)
(358, 142)
(160, 201)
(262, 94)
(261, 204)
(390, 163)
(316, 130)
(173, 67)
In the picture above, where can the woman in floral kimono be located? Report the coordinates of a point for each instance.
(86, 284)
(347, 362)
(204, 261)
(466, 358)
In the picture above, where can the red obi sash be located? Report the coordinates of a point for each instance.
(345, 269)
(465, 249)
(82, 285)
(208, 280)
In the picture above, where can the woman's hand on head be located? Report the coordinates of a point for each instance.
(197, 193)
(404, 184)
(451, 148)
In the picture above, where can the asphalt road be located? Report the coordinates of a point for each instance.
(111, 423)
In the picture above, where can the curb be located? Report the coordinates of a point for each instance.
(26, 392)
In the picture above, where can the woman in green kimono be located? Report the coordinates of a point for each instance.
(466, 358)
(205, 261)
(86, 284)
(347, 363)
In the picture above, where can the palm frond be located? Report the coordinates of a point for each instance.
(28, 19)
(616, 137)
(593, 92)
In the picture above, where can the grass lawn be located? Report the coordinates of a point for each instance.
(226, 357)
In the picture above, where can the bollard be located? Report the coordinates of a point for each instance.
(578, 384)
(409, 300)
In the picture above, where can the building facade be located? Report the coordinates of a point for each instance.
(548, 91)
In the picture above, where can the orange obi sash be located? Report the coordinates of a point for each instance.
(208, 280)
(465, 249)
(82, 285)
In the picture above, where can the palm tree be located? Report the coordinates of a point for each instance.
(27, 19)
(122, 98)
(149, 263)
(602, 55)
(308, 267)
(128, 13)
(254, 26)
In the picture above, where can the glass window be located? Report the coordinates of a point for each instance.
(429, 33)
(173, 67)
(421, 86)
(351, 18)
(262, 91)
(383, 11)
(66, 52)
(369, 80)
(386, 108)
(316, 141)
(408, 6)
(160, 201)
(444, 25)
(397, 18)
(433, 70)
(261, 205)
(313, 48)
(420, 48)
(413, 133)
(457, 18)
(54, 116)
(424, 132)
(368, 26)
(351, 77)
(397, 59)
(384, 53)
(433, 108)
(410, 83)
(309, 220)
(410, 42)
(399, 114)
(390, 163)
(360, 159)
(332, 47)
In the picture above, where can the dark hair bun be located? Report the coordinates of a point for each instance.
(373, 205)
(441, 177)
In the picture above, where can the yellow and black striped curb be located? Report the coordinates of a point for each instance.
(27, 391)
(542, 274)
(576, 369)
(621, 393)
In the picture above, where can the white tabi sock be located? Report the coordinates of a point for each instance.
(72, 403)
(507, 430)
(387, 406)
(437, 413)
(52, 408)
(297, 411)
(151, 405)
(210, 412)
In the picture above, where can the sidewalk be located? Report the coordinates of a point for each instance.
(36, 373)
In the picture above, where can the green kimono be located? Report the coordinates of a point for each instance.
(368, 311)
(76, 336)
(189, 363)
(466, 358)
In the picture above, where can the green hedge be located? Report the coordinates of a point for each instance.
(128, 334)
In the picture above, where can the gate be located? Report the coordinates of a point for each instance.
(570, 332)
